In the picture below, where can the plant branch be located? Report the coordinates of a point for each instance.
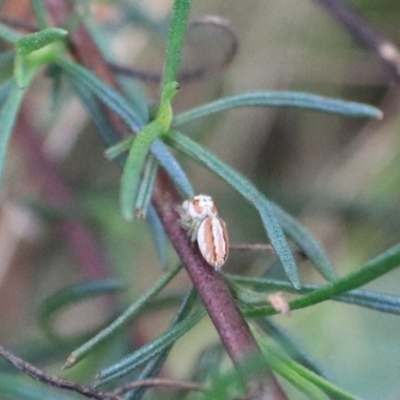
(220, 304)
(87, 391)
(364, 34)
(52, 380)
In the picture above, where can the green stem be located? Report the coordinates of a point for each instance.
(371, 271)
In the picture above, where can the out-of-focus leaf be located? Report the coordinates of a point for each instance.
(72, 295)
(19, 387)
(9, 35)
(8, 115)
(39, 9)
(7, 57)
(293, 349)
(154, 366)
(5, 90)
(105, 93)
(147, 352)
(122, 320)
(137, 16)
(311, 384)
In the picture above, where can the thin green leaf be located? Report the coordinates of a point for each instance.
(36, 41)
(39, 9)
(139, 17)
(56, 75)
(375, 268)
(179, 17)
(148, 351)
(303, 385)
(304, 379)
(92, 106)
(9, 35)
(146, 187)
(130, 179)
(376, 301)
(105, 93)
(122, 320)
(69, 296)
(249, 192)
(281, 99)
(154, 366)
(159, 235)
(307, 242)
(289, 344)
(8, 115)
(121, 147)
(18, 387)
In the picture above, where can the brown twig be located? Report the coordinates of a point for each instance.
(364, 34)
(52, 380)
(87, 391)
